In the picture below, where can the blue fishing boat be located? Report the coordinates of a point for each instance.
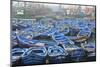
(90, 49)
(81, 24)
(82, 35)
(21, 24)
(17, 54)
(60, 38)
(34, 55)
(57, 54)
(92, 25)
(76, 53)
(26, 42)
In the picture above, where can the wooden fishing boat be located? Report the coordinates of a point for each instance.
(34, 55)
(57, 54)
